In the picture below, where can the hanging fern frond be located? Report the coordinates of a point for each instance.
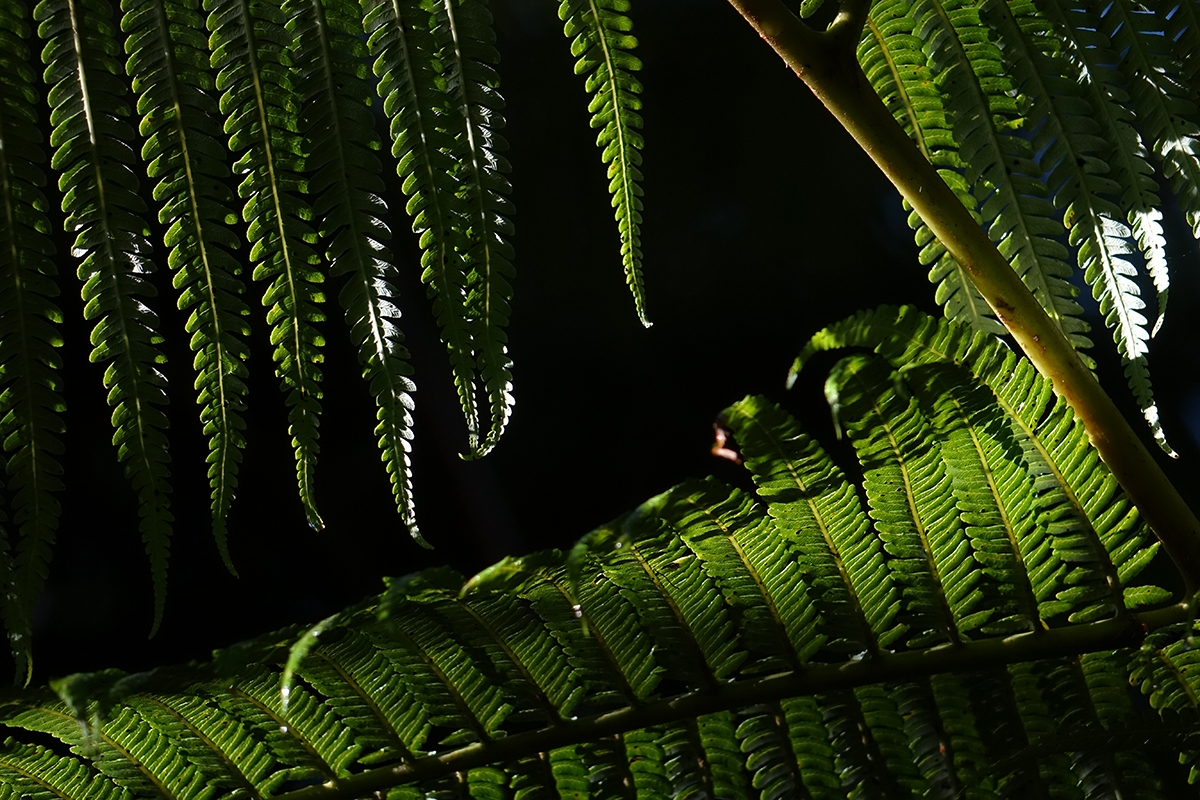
(466, 51)
(684, 650)
(251, 51)
(601, 41)
(168, 61)
(30, 387)
(93, 159)
(339, 136)
(414, 98)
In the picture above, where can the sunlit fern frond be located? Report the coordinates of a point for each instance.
(897, 68)
(252, 52)
(415, 101)
(1030, 104)
(710, 642)
(168, 61)
(601, 41)
(339, 132)
(467, 53)
(93, 159)
(30, 387)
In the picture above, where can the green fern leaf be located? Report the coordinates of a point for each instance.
(466, 49)
(601, 41)
(102, 205)
(251, 53)
(168, 62)
(1082, 538)
(415, 100)
(30, 386)
(893, 61)
(339, 134)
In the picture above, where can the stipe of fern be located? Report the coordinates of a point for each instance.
(339, 134)
(893, 61)
(465, 47)
(415, 100)
(601, 41)
(102, 207)
(251, 52)
(30, 386)
(168, 61)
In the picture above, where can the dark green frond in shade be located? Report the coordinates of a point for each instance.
(467, 53)
(712, 643)
(30, 387)
(252, 52)
(338, 126)
(168, 61)
(420, 112)
(601, 40)
(90, 134)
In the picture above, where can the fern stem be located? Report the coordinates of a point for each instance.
(814, 679)
(825, 62)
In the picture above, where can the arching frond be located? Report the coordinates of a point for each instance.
(93, 159)
(705, 643)
(30, 386)
(339, 136)
(601, 41)
(251, 50)
(168, 61)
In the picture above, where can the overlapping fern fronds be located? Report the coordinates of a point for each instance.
(1051, 122)
(271, 102)
(716, 644)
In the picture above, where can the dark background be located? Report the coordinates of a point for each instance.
(763, 222)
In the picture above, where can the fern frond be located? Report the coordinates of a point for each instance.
(251, 52)
(810, 498)
(339, 136)
(101, 203)
(1000, 166)
(466, 49)
(893, 61)
(601, 41)
(1048, 432)
(168, 61)
(30, 386)
(414, 98)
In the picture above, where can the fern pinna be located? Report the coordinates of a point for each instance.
(270, 104)
(972, 629)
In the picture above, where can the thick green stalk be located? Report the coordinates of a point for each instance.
(826, 62)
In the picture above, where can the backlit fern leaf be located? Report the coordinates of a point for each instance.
(102, 207)
(466, 51)
(30, 387)
(1050, 436)
(601, 41)
(251, 52)
(415, 100)
(339, 133)
(168, 61)
(679, 651)
(892, 59)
